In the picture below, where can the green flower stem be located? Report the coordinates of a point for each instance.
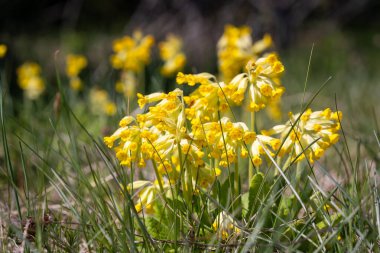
(250, 165)
(237, 200)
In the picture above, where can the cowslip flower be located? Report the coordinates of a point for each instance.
(132, 53)
(3, 50)
(74, 65)
(127, 83)
(172, 55)
(258, 147)
(310, 136)
(224, 139)
(205, 102)
(101, 103)
(262, 81)
(235, 49)
(29, 79)
(147, 194)
(225, 227)
(161, 137)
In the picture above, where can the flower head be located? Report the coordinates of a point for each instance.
(235, 49)
(101, 103)
(262, 81)
(172, 55)
(29, 79)
(147, 193)
(132, 53)
(310, 136)
(74, 65)
(225, 226)
(127, 83)
(3, 50)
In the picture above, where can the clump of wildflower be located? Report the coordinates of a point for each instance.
(310, 136)
(161, 137)
(29, 79)
(74, 65)
(101, 103)
(172, 55)
(3, 50)
(131, 55)
(225, 227)
(235, 49)
(155, 135)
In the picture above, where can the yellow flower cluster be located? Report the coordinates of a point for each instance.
(310, 136)
(29, 79)
(172, 55)
(131, 55)
(235, 49)
(262, 82)
(3, 50)
(74, 65)
(204, 103)
(160, 135)
(223, 139)
(187, 138)
(101, 103)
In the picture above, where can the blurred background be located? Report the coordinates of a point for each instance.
(345, 35)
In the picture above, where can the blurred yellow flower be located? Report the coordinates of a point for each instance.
(132, 53)
(127, 83)
(235, 49)
(172, 55)
(29, 79)
(3, 50)
(101, 103)
(74, 65)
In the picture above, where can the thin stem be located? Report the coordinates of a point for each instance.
(250, 165)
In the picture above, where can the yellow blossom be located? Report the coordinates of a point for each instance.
(3, 50)
(225, 226)
(147, 194)
(310, 136)
(127, 83)
(261, 81)
(132, 53)
(235, 49)
(75, 64)
(100, 102)
(172, 55)
(29, 79)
